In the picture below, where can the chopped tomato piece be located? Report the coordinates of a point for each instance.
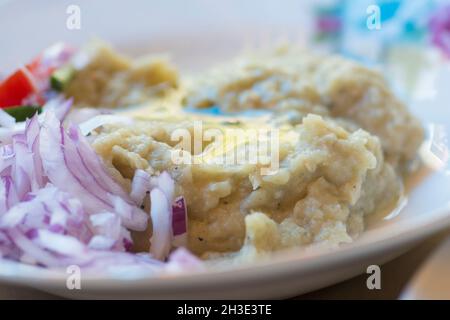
(17, 87)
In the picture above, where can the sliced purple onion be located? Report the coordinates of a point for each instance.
(107, 224)
(31, 249)
(32, 130)
(10, 194)
(23, 169)
(161, 214)
(101, 243)
(58, 106)
(62, 244)
(70, 166)
(139, 186)
(132, 217)
(7, 151)
(59, 206)
(179, 222)
(165, 183)
(95, 165)
(91, 124)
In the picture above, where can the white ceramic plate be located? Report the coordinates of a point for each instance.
(198, 33)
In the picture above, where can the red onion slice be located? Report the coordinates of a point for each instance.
(61, 244)
(91, 124)
(101, 243)
(139, 186)
(161, 240)
(132, 217)
(32, 129)
(59, 106)
(54, 162)
(179, 222)
(74, 168)
(95, 165)
(165, 183)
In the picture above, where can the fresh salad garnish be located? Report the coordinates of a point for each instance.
(168, 216)
(32, 84)
(179, 222)
(58, 204)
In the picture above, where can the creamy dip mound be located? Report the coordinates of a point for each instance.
(345, 144)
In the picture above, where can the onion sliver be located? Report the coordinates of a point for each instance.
(179, 222)
(161, 214)
(90, 125)
(139, 186)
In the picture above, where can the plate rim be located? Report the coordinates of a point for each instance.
(281, 263)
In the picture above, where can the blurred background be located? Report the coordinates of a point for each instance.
(406, 37)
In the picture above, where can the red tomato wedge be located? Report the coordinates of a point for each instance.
(15, 88)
